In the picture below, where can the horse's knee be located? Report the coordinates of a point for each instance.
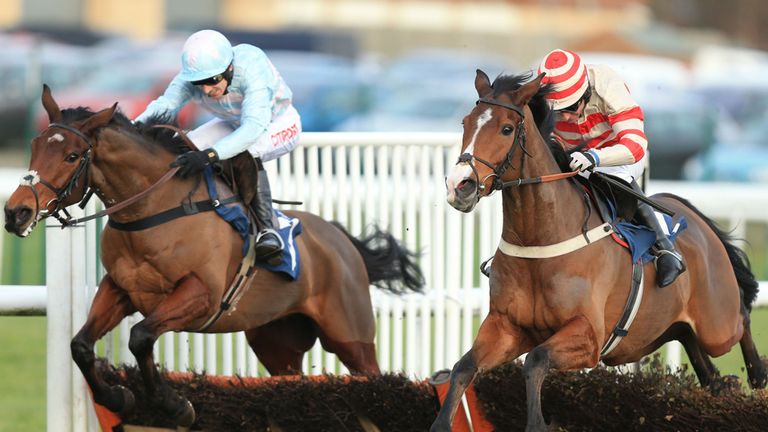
(141, 341)
(536, 359)
(464, 370)
(82, 351)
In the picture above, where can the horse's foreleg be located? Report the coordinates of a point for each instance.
(109, 307)
(573, 346)
(189, 302)
(496, 343)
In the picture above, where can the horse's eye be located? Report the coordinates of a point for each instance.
(507, 130)
(72, 157)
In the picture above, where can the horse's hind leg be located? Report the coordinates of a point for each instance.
(280, 345)
(754, 364)
(496, 343)
(109, 307)
(357, 356)
(189, 302)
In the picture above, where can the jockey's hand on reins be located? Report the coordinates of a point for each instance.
(582, 161)
(193, 162)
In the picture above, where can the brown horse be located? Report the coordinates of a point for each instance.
(176, 273)
(561, 310)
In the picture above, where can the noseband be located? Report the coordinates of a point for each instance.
(498, 170)
(62, 193)
(518, 140)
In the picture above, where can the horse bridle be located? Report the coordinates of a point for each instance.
(519, 139)
(62, 193)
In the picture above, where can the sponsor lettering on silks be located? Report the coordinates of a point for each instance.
(284, 135)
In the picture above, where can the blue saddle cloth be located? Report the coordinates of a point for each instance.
(640, 238)
(288, 229)
(237, 216)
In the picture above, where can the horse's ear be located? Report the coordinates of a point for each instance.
(50, 105)
(482, 83)
(98, 120)
(528, 90)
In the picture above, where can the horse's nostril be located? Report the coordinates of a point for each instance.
(24, 215)
(467, 185)
(17, 216)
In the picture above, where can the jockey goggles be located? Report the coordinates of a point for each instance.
(574, 107)
(209, 81)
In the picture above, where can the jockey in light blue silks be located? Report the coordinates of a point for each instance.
(253, 110)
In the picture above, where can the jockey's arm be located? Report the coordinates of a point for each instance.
(254, 118)
(178, 93)
(626, 118)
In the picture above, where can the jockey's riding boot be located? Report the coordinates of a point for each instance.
(669, 262)
(269, 245)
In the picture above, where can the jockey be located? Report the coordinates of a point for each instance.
(253, 111)
(594, 108)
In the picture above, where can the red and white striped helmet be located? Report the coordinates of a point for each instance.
(567, 75)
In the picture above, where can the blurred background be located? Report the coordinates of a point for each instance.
(697, 67)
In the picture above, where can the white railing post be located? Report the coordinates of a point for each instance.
(59, 368)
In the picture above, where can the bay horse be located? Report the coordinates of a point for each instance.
(176, 273)
(561, 310)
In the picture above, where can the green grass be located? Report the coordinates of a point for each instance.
(24, 258)
(22, 374)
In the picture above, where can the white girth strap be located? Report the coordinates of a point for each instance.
(556, 249)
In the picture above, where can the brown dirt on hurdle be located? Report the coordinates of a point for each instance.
(595, 400)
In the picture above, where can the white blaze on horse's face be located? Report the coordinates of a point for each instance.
(462, 171)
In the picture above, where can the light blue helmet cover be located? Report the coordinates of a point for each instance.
(206, 53)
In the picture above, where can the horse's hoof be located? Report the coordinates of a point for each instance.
(129, 401)
(118, 399)
(185, 415)
(725, 385)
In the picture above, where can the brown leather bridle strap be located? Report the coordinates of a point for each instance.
(167, 176)
(123, 204)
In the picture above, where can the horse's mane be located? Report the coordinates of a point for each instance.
(153, 137)
(543, 115)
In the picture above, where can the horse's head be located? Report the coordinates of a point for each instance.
(494, 131)
(57, 177)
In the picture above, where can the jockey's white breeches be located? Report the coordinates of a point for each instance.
(281, 136)
(625, 172)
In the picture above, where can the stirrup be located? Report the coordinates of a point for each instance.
(660, 252)
(268, 231)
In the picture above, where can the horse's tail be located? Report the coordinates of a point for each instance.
(739, 260)
(390, 265)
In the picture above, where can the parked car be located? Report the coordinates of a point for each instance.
(428, 91)
(26, 63)
(739, 159)
(327, 89)
(132, 84)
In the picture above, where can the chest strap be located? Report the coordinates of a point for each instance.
(556, 249)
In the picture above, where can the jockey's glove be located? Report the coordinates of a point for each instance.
(583, 161)
(193, 162)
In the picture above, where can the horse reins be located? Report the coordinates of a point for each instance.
(519, 139)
